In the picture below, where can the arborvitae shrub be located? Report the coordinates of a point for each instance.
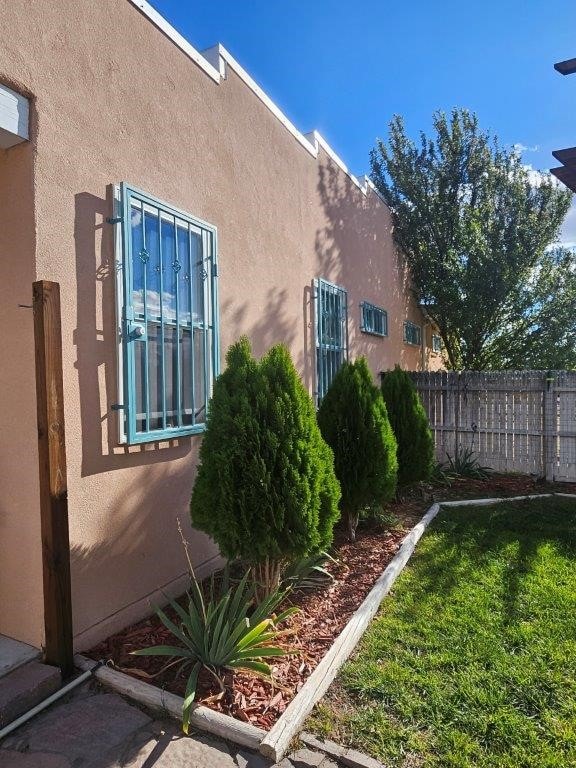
(266, 490)
(353, 421)
(410, 425)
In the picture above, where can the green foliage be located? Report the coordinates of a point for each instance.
(441, 474)
(266, 490)
(539, 327)
(354, 422)
(220, 632)
(308, 572)
(470, 663)
(410, 424)
(473, 226)
(464, 463)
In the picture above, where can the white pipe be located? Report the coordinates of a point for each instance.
(46, 703)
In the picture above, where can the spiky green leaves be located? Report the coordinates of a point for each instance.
(221, 632)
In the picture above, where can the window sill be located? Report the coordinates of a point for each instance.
(374, 333)
(163, 435)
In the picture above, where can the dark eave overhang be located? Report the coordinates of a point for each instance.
(567, 67)
(566, 173)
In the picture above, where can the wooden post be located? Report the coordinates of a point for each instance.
(53, 486)
(550, 426)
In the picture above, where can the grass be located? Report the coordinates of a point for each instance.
(472, 661)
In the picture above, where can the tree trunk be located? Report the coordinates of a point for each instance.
(352, 522)
(267, 577)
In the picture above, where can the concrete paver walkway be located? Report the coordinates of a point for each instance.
(93, 728)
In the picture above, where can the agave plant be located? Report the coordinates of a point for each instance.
(465, 464)
(224, 630)
(308, 572)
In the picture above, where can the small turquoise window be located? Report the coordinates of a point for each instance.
(373, 319)
(169, 318)
(412, 333)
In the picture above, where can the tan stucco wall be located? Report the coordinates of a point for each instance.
(117, 100)
(20, 543)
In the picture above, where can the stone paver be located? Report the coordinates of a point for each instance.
(11, 759)
(23, 688)
(95, 729)
(84, 729)
(13, 653)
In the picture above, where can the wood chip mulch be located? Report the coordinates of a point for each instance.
(323, 612)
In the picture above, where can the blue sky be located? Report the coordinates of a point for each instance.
(346, 67)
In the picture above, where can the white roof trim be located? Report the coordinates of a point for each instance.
(264, 98)
(14, 112)
(214, 60)
(159, 21)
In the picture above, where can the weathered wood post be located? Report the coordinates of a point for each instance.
(52, 469)
(550, 426)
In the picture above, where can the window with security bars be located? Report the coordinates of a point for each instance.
(412, 333)
(373, 319)
(331, 318)
(167, 290)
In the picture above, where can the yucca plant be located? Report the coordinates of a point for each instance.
(224, 630)
(465, 464)
(308, 572)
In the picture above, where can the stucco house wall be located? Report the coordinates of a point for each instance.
(115, 99)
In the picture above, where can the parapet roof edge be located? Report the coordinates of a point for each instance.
(213, 62)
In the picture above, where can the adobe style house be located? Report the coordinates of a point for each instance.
(177, 208)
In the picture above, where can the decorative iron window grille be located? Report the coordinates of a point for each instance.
(373, 319)
(167, 317)
(436, 343)
(331, 318)
(412, 333)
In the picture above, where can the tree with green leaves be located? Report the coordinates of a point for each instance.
(354, 422)
(266, 490)
(473, 224)
(410, 424)
(539, 328)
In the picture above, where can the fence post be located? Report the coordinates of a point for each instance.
(550, 426)
(52, 470)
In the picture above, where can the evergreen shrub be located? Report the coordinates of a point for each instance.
(266, 490)
(354, 422)
(410, 425)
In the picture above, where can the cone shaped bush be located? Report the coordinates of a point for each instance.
(266, 490)
(410, 425)
(353, 421)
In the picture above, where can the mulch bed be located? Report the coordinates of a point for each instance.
(323, 612)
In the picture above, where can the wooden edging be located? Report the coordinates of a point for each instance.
(274, 743)
(203, 718)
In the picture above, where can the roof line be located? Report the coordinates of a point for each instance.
(213, 62)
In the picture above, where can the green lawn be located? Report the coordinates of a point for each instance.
(472, 660)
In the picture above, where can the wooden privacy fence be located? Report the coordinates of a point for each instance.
(515, 421)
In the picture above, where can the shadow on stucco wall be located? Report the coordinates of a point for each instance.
(355, 250)
(277, 323)
(96, 343)
(138, 552)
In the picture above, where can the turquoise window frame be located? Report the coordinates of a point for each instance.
(331, 332)
(370, 314)
(134, 322)
(409, 329)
